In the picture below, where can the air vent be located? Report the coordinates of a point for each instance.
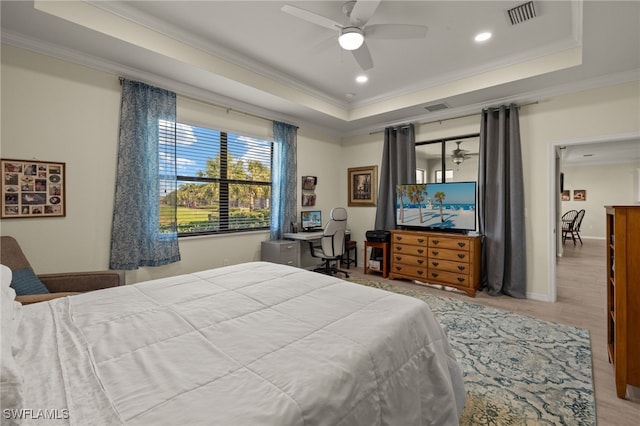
(436, 107)
(522, 13)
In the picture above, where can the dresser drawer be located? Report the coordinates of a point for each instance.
(413, 239)
(449, 243)
(442, 277)
(285, 252)
(409, 249)
(446, 254)
(291, 247)
(449, 266)
(409, 260)
(412, 272)
(289, 257)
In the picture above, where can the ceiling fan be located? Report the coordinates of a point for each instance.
(353, 33)
(459, 155)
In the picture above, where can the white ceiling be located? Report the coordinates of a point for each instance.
(251, 56)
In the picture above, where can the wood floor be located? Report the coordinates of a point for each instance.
(581, 302)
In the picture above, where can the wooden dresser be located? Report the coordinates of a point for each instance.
(450, 260)
(623, 294)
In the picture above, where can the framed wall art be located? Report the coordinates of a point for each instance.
(363, 186)
(309, 182)
(32, 188)
(579, 195)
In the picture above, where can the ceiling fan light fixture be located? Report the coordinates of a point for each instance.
(457, 160)
(351, 38)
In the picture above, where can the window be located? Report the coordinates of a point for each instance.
(223, 182)
(448, 175)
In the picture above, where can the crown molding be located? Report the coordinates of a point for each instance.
(170, 30)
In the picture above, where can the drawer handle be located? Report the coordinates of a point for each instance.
(462, 243)
(434, 275)
(399, 248)
(435, 263)
(289, 247)
(462, 267)
(436, 241)
(421, 240)
(420, 272)
(460, 279)
(398, 268)
(398, 238)
(398, 258)
(420, 251)
(435, 252)
(461, 256)
(420, 261)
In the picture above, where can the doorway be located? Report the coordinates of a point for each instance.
(597, 152)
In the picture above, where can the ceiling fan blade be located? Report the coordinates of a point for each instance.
(363, 57)
(362, 11)
(312, 17)
(395, 31)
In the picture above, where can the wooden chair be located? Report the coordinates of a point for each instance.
(575, 228)
(571, 222)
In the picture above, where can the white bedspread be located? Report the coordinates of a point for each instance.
(250, 344)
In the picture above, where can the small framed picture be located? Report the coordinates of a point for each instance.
(308, 199)
(309, 182)
(32, 188)
(565, 195)
(363, 186)
(579, 195)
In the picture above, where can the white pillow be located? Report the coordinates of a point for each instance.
(10, 315)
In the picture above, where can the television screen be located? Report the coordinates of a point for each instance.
(438, 206)
(311, 219)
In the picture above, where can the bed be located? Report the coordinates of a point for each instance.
(250, 344)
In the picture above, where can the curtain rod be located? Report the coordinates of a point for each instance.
(226, 108)
(452, 138)
(447, 119)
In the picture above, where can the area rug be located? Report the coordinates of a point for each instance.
(517, 370)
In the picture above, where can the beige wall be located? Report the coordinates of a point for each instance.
(609, 184)
(56, 111)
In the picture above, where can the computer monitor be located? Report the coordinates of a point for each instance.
(311, 219)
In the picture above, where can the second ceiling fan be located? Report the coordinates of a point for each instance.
(355, 31)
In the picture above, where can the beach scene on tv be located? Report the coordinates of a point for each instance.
(449, 206)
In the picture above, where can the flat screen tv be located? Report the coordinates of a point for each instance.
(437, 206)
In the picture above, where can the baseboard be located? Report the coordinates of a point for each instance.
(539, 297)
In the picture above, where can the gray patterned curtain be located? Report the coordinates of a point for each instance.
(501, 203)
(398, 166)
(283, 178)
(143, 234)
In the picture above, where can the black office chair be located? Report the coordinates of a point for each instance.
(331, 246)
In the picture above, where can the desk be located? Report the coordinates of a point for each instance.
(306, 238)
(303, 236)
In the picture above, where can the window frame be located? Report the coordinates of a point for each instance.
(224, 183)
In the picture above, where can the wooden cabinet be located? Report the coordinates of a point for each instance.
(285, 252)
(438, 258)
(623, 294)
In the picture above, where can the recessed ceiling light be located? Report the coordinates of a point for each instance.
(482, 37)
(362, 79)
